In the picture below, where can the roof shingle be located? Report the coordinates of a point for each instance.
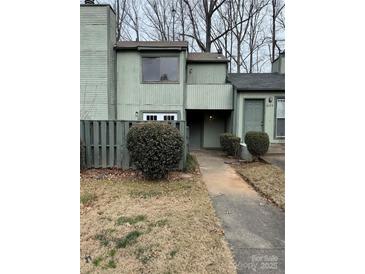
(206, 57)
(257, 81)
(151, 44)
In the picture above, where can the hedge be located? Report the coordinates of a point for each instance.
(155, 148)
(257, 143)
(230, 143)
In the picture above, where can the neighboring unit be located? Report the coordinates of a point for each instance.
(279, 64)
(162, 81)
(259, 104)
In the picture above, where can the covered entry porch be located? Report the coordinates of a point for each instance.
(205, 127)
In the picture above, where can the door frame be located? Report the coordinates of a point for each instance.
(263, 100)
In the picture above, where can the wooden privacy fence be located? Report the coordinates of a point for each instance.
(105, 142)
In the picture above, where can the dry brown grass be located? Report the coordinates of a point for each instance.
(159, 227)
(267, 179)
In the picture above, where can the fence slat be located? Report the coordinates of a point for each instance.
(82, 131)
(96, 144)
(103, 143)
(126, 160)
(118, 142)
(88, 144)
(111, 144)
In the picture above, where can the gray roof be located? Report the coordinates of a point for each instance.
(257, 81)
(176, 45)
(206, 57)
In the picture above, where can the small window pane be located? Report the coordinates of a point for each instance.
(151, 69)
(280, 108)
(280, 127)
(168, 69)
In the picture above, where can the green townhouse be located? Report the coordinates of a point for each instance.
(161, 80)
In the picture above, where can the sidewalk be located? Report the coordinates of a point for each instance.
(276, 155)
(254, 228)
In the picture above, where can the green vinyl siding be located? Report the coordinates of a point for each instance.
(209, 73)
(218, 96)
(96, 62)
(135, 96)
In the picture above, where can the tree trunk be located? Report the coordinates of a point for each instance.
(208, 27)
(273, 45)
(238, 56)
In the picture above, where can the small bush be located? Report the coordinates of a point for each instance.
(230, 143)
(82, 156)
(155, 148)
(224, 141)
(234, 145)
(257, 143)
(191, 163)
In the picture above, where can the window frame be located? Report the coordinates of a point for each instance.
(160, 115)
(160, 56)
(276, 118)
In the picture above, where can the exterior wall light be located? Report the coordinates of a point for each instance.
(270, 99)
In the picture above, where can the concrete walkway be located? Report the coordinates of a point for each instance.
(276, 160)
(276, 155)
(253, 227)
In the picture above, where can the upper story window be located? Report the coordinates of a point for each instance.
(160, 69)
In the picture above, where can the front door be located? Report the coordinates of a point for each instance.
(195, 123)
(254, 115)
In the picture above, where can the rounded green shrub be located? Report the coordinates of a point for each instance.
(224, 140)
(233, 145)
(230, 143)
(257, 143)
(155, 148)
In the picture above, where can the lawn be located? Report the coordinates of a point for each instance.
(129, 225)
(267, 179)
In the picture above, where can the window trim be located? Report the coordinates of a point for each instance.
(160, 56)
(161, 114)
(276, 98)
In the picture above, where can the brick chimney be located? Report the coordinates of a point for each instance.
(89, 2)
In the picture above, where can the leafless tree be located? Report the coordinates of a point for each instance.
(159, 18)
(256, 35)
(241, 20)
(249, 32)
(133, 15)
(205, 9)
(120, 7)
(277, 6)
